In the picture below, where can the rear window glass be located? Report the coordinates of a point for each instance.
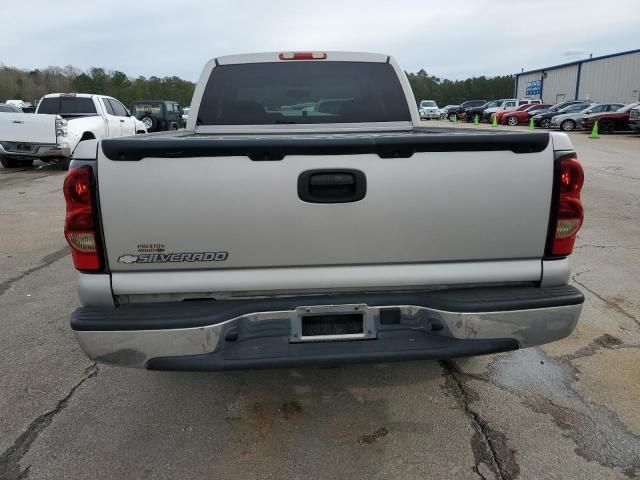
(9, 108)
(67, 105)
(303, 92)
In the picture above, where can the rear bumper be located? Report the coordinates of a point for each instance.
(36, 150)
(261, 333)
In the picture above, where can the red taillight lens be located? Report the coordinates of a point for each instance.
(571, 176)
(303, 56)
(79, 225)
(568, 215)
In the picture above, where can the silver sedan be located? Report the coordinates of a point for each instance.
(570, 121)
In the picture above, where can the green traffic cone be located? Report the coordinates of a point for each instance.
(455, 119)
(531, 126)
(476, 121)
(594, 131)
(494, 123)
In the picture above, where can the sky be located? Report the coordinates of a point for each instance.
(453, 39)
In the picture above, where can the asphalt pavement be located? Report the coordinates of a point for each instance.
(566, 410)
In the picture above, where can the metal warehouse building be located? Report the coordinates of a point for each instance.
(610, 78)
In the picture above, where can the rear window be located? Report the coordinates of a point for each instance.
(67, 106)
(303, 92)
(9, 109)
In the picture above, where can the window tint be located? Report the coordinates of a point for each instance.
(118, 108)
(574, 108)
(303, 92)
(67, 106)
(107, 106)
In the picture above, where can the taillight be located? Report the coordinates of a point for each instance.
(80, 228)
(567, 214)
(303, 56)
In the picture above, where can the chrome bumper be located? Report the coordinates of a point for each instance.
(134, 347)
(36, 150)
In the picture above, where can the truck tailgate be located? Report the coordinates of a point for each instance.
(217, 211)
(28, 128)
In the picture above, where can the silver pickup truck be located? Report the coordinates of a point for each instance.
(305, 217)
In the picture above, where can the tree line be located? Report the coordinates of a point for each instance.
(448, 92)
(31, 85)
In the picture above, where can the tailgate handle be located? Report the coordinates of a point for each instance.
(332, 186)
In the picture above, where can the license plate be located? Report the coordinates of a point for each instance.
(331, 323)
(25, 147)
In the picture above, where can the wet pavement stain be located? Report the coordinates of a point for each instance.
(291, 409)
(544, 384)
(372, 437)
(603, 341)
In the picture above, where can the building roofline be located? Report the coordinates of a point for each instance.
(578, 62)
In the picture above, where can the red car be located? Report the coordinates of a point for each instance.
(609, 122)
(503, 113)
(521, 115)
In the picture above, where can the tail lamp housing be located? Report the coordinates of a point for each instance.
(80, 225)
(567, 214)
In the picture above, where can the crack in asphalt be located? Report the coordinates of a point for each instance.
(7, 183)
(608, 302)
(604, 341)
(489, 446)
(608, 172)
(10, 458)
(45, 262)
(625, 247)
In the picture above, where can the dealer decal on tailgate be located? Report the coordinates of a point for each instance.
(174, 257)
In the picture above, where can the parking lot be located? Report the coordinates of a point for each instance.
(566, 410)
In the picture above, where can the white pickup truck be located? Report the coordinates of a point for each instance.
(274, 233)
(60, 123)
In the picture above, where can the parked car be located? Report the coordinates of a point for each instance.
(428, 110)
(8, 108)
(158, 115)
(543, 119)
(189, 252)
(458, 111)
(610, 122)
(522, 116)
(445, 110)
(503, 114)
(17, 103)
(571, 121)
(61, 122)
(507, 105)
(185, 115)
(471, 112)
(634, 119)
